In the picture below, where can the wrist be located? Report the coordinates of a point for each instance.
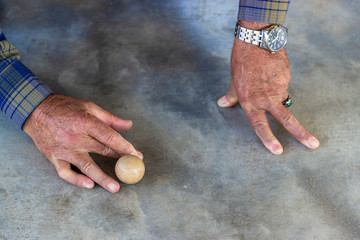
(35, 116)
(253, 25)
(264, 35)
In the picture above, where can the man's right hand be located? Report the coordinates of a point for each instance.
(259, 83)
(66, 130)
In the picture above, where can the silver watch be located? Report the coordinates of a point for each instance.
(273, 38)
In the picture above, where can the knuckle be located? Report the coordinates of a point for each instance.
(269, 105)
(260, 124)
(304, 134)
(106, 151)
(127, 146)
(87, 167)
(288, 118)
(250, 111)
(87, 103)
(63, 173)
(111, 138)
(231, 96)
(260, 127)
(103, 179)
(87, 118)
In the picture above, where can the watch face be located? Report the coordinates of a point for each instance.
(277, 39)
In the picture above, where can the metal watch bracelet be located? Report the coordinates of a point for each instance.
(248, 35)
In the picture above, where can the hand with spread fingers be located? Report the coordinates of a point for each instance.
(66, 130)
(259, 83)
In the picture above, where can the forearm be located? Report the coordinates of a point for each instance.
(263, 11)
(20, 90)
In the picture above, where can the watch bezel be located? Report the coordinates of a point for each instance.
(269, 30)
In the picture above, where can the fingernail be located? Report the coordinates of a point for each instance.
(88, 185)
(277, 149)
(137, 154)
(222, 101)
(140, 155)
(313, 142)
(112, 187)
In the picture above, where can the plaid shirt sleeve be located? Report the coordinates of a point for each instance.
(269, 11)
(20, 90)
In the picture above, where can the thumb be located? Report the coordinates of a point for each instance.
(229, 100)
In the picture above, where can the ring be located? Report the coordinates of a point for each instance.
(288, 102)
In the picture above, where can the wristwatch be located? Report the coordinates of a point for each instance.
(273, 38)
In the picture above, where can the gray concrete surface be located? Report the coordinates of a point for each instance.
(163, 64)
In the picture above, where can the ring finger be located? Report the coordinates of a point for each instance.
(64, 171)
(86, 164)
(284, 116)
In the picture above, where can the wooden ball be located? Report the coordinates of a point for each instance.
(130, 169)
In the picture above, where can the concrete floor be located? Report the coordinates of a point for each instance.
(163, 64)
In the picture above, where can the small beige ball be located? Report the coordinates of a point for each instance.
(130, 169)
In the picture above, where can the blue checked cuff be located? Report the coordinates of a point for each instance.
(269, 11)
(20, 90)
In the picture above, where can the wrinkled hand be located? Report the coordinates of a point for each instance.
(66, 129)
(259, 83)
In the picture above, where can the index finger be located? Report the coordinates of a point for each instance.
(109, 119)
(284, 116)
(107, 136)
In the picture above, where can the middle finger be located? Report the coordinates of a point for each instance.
(261, 126)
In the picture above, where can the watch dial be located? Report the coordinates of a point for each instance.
(277, 39)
